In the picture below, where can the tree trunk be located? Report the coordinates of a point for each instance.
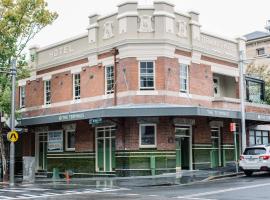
(3, 153)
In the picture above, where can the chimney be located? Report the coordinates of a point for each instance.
(267, 27)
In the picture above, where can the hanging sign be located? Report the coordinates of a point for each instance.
(232, 127)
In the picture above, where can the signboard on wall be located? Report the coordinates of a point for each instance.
(55, 141)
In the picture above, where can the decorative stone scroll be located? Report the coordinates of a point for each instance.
(182, 29)
(145, 22)
(108, 30)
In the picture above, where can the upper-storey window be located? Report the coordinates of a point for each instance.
(184, 78)
(260, 51)
(147, 75)
(76, 86)
(255, 90)
(109, 78)
(22, 96)
(47, 92)
(216, 86)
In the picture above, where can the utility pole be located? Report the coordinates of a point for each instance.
(13, 73)
(242, 100)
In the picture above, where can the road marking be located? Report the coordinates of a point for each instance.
(222, 191)
(4, 197)
(13, 190)
(152, 195)
(195, 198)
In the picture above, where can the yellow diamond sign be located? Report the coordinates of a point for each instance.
(12, 136)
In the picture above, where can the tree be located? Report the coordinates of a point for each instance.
(263, 72)
(20, 21)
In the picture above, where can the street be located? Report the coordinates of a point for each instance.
(239, 188)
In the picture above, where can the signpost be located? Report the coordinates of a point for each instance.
(233, 129)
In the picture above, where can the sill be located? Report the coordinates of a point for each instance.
(46, 105)
(76, 101)
(70, 149)
(148, 146)
(226, 99)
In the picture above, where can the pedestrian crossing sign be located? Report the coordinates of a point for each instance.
(12, 136)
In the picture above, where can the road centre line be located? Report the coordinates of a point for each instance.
(222, 191)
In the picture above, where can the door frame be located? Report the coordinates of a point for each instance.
(104, 145)
(37, 147)
(180, 126)
(219, 143)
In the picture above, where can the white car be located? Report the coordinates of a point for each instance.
(254, 159)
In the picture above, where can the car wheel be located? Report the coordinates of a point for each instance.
(248, 173)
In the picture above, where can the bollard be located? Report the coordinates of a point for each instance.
(56, 174)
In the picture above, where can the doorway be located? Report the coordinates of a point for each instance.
(41, 151)
(183, 144)
(105, 149)
(216, 147)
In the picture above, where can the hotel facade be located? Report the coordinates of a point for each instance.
(143, 91)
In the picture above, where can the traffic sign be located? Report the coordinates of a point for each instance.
(8, 123)
(12, 136)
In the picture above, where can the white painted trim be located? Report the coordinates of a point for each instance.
(187, 90)
(147, 58)
(71, 39)
(128, 14)
(20, 96)
(73, 88)
(164, 13)
(222, 69)
(76, 70)
(183, 59)
(47, 77)
(140, 142)
(107, 61)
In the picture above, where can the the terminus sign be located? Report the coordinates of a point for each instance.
(70, 117)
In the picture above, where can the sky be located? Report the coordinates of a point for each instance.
(228, 18)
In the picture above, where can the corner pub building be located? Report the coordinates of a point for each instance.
(144, 91)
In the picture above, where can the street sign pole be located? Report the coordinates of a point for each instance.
(235, 151)
(12, 123)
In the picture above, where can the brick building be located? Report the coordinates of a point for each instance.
(144, 91)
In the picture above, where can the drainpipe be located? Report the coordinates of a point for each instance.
(115, 53)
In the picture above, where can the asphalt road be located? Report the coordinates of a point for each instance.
(241, 188)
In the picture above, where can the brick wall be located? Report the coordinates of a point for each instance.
(85, 137)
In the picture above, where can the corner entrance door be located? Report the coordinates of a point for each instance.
(183, 141)
(41, 151)
(105, 149)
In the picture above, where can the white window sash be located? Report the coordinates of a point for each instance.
(184, 75)
(147, 75)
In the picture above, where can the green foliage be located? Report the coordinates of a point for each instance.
(20, 21)
(262, 72)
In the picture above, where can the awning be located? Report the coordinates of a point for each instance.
(145, 110)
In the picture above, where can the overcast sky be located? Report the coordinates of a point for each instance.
(230, 18)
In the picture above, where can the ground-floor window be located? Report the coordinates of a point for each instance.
(148, 135)
(258, 137)
(70, 140)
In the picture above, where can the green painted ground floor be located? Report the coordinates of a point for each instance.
(133, 146)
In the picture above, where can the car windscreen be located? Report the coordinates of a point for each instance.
(255, 151)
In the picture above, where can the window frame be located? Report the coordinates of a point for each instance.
(261, 136)
(66, 140)
(74, 87)
(154, 76)
(182, 77)
(106, 80)
(258, 51)
(45, 92)
(22, 103)
(155, 135)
